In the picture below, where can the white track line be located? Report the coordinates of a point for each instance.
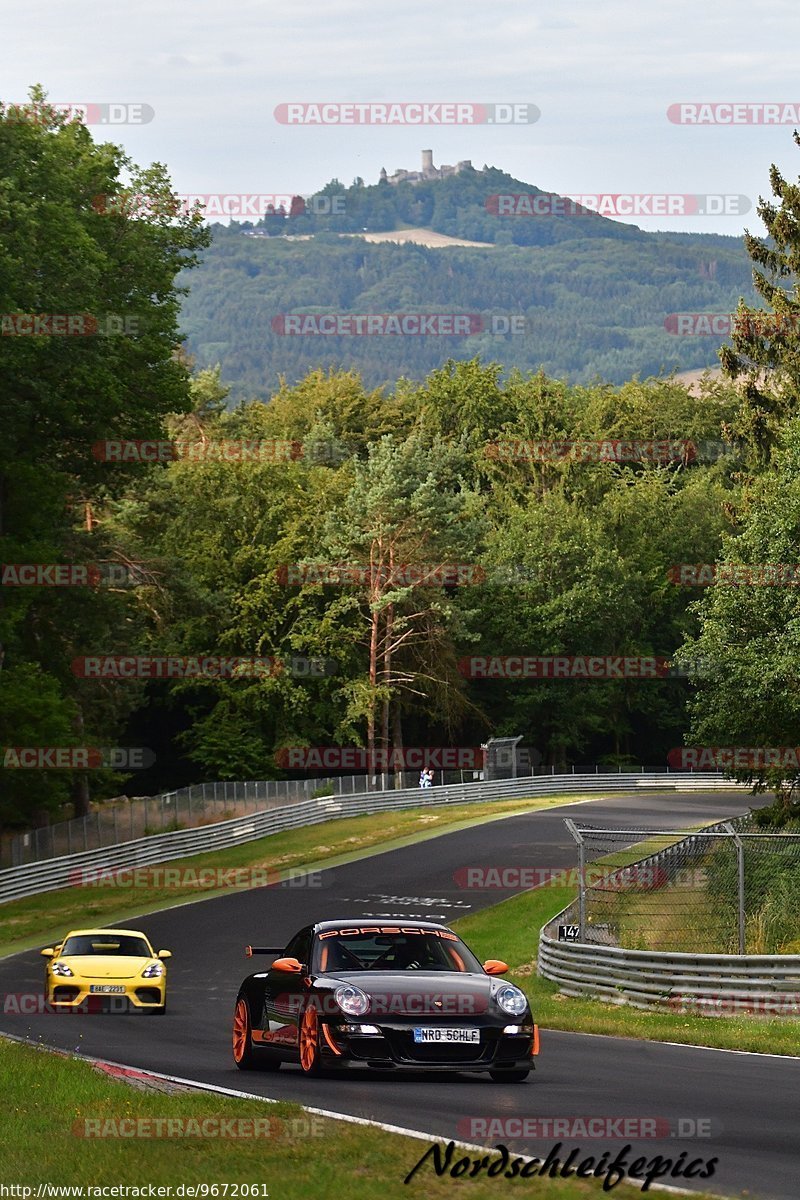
(216, 1089)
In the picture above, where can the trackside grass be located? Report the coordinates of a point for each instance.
(51, 1103)
(510, 930)
(35, 920)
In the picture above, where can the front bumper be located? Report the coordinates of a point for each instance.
(393, 1048)
(69, 994)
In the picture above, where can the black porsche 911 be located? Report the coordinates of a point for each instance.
(386, 995)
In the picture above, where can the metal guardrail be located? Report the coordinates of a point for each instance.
(72, 869)
(125, 819)
(708, 983)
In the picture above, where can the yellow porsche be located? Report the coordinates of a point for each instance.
(115, 967)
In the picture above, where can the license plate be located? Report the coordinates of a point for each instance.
(447, 1035)
(107, 989)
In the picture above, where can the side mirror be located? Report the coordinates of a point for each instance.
(290, 965)
(164, 954)
(48, 952)
(494, 966)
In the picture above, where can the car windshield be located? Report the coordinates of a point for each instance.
(423, 950)
(101, 943)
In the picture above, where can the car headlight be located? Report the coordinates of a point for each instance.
(351, 1000)
(61, 968)
(155, 970)
(511, 999)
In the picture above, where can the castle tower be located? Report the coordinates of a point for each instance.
(427, 161)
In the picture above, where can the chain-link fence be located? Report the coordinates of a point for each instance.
(123, 819)
(724, 889)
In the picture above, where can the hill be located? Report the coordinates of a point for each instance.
(575, 294)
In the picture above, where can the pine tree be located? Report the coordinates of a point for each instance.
(765, 353)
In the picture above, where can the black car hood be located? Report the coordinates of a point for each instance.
(416, 993)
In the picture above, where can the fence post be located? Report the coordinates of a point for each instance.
(737, 841)
(582, 892)
(578, 836)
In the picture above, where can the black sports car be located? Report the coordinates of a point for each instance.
(386, 995)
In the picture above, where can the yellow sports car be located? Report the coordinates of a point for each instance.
(117, 965)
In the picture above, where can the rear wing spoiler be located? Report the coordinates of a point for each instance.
(249, 951)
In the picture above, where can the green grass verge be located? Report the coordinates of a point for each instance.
(672, 919)
(510, 931)
(35, 920)
(47, 1100)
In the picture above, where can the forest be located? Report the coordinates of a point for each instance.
(375, 566)
(591, 299)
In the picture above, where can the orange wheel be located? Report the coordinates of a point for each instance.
(241, 1033)
(309, 1041)
(247, 1056)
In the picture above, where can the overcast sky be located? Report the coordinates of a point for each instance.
(602, 74)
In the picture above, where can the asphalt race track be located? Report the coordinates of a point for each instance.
(751, 1101)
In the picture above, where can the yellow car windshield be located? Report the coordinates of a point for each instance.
(93, 943)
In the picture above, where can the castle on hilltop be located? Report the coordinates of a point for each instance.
(429, 171)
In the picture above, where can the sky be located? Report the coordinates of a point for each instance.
(603, 77)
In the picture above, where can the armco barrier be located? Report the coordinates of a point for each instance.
(713, 982)
(52, 874)
(768, 984)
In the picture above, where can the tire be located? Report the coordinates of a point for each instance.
(308, 1042)
(246, 1057)
(514, 1076)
